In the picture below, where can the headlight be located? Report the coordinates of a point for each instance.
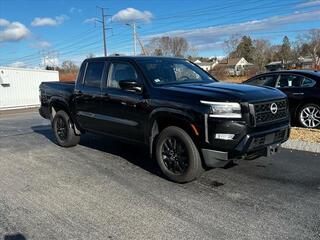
(224, 109)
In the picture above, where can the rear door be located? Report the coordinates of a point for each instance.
(124, 112)
(88, 94)
(290, 84)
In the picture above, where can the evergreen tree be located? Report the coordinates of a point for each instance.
(245, 49)
(285, 52)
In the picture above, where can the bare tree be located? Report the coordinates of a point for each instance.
(260, 53)
(167, 46)
(313, 45)
(179, 46)
(274, 53)
(69, 66)
(231, 44)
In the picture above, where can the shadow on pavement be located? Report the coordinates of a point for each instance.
(17, 236)
(133, 153)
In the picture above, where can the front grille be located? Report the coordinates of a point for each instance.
(278, 136)
(263, 113)
(269, 139)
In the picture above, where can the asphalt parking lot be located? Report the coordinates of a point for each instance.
(105, 189)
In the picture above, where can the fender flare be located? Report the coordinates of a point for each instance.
(58, 100)
(152, 127)
(65, 105)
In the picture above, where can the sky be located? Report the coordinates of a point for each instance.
(51, 31)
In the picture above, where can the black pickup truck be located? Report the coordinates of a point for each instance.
(188, 120)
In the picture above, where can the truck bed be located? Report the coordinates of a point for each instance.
(62, 89)
(56, 90)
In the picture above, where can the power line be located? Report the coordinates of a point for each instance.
(63, 46)
(192, 16)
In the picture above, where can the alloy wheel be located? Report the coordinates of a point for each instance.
(175, 155)
(310, 116)
(62, 129)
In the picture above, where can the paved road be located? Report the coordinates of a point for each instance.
(104, 189)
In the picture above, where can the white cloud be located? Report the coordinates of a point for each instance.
(312, 3)
(132, 14)
(4, 22)
(17, 65)
(75, 10)
(90, 20)
(41, 44)
(12, 31)
(211, 36)
(46, 21)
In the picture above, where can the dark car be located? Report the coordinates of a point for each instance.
(303, 90)
(186, 118)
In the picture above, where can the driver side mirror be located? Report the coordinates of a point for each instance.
(130, 85)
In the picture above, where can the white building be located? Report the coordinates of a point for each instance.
(207, 66)
(19, 87)
(235, 66)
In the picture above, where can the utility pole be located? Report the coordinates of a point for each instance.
(133, 25)
(103, 21)
(144, 51)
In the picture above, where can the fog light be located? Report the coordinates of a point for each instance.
(224, 136)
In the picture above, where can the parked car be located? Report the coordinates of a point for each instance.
(186, 118)
(303, 90)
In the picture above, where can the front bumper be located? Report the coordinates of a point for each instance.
(251, 146)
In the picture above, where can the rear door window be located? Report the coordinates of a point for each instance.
(94, 73)
(289, 81)
(307, 82)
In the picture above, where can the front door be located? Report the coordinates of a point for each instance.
(124, 112)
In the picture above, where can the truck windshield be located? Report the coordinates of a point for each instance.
(173, 71)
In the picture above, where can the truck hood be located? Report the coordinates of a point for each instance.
(226, 91)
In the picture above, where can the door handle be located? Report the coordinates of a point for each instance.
(78, 92)
(105, 96)
(297, 94)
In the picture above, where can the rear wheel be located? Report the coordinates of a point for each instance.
(177, 155)
(63, 130)
(309, 116)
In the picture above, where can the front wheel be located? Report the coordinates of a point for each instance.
(177, 155)
(309, 116)
(63, 130)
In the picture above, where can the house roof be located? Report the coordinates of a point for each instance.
(205, 63)
(230, 61)
(274, 63)
(233, 61)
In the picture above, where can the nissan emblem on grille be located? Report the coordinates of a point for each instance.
(274, 108)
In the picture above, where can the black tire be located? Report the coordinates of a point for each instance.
(63, 130)
(309, 116)
(190, 168)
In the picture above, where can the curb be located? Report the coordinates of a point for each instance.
(302, 146)
(16, 111)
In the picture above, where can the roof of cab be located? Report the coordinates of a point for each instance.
(302, 72)
(132, 58)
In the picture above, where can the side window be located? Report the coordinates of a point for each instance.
(269, 80)
(81, 72)
(307, 82)
(289, 81)
(120, 72)
(94, 74)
